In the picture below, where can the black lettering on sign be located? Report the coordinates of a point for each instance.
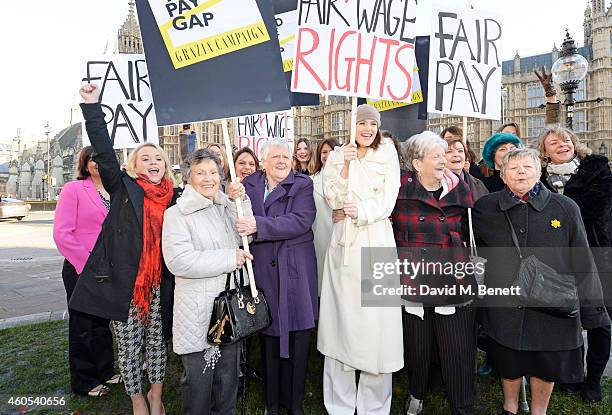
(131, 114)
(471, 72)
(179, 7)
(325, 10)
(189, 22)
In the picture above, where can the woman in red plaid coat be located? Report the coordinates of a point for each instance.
(430, 214)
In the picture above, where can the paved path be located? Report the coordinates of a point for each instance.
(30, 270)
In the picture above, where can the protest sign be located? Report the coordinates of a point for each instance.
(286, 15)
(465, 62)
(246, 81)
(357, 48)
(125, 96)
(417, 96)
(197, 30)
(254, 130)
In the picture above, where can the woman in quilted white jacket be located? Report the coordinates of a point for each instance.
(200, 246)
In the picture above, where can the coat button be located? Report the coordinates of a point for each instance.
(273, 263)
(522, 230)
(421, 218)
(442, 218)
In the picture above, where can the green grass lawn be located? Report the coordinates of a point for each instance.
(34, 361)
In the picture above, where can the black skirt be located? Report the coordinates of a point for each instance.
(564, 366)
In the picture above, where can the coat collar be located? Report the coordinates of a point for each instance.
(411, 188)
(191, 201)
(280, 190)
(92, 192)
(539, 202)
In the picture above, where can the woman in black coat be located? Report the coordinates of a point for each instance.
(124, 279)
(569, 168)
(528, 341)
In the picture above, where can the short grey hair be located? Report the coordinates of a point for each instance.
(273, 143)
(196, 158)
(420, 144)
(518, 153)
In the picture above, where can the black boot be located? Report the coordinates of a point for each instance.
(591, 390)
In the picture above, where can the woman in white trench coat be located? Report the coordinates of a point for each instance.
(350, 336)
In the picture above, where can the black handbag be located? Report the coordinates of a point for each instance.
(236, 315)
(544, 288)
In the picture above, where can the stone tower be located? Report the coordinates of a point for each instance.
(128, 36)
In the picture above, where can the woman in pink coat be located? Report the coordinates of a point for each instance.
(81, 209)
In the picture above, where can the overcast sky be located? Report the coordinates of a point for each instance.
(44, 42)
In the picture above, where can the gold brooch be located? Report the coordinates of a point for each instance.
(555, 223)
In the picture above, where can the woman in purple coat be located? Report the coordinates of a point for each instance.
(285, 268)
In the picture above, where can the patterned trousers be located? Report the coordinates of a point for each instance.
(131, 336)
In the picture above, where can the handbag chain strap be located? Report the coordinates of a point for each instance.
(514, 237)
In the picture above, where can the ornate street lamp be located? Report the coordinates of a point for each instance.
(567, 72)
(602, 149)
(47, 132)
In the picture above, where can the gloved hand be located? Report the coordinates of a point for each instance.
(546, 81)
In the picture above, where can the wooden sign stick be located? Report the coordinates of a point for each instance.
(347, 225)
(245, 239)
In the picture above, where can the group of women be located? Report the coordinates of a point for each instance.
(160, 260)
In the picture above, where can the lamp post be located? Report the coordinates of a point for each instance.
(47, 132)
(567, 72)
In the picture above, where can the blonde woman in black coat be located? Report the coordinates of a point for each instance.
(570, 169)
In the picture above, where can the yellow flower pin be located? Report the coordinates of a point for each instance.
(555, 223)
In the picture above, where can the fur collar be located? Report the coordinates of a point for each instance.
(593, 168)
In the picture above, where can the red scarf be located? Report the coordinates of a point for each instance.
(156, 199)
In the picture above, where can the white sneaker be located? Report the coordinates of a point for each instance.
(414, 406)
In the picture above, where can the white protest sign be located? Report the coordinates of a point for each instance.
(286, 24)
(254, 130)
(465, 63)
(355, 48)
(417, 96)
(125, 96)
(196, 30)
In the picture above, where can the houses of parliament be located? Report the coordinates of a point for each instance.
(522, 97)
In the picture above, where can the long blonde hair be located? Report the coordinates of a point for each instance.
(130, 166)
(580, 148)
